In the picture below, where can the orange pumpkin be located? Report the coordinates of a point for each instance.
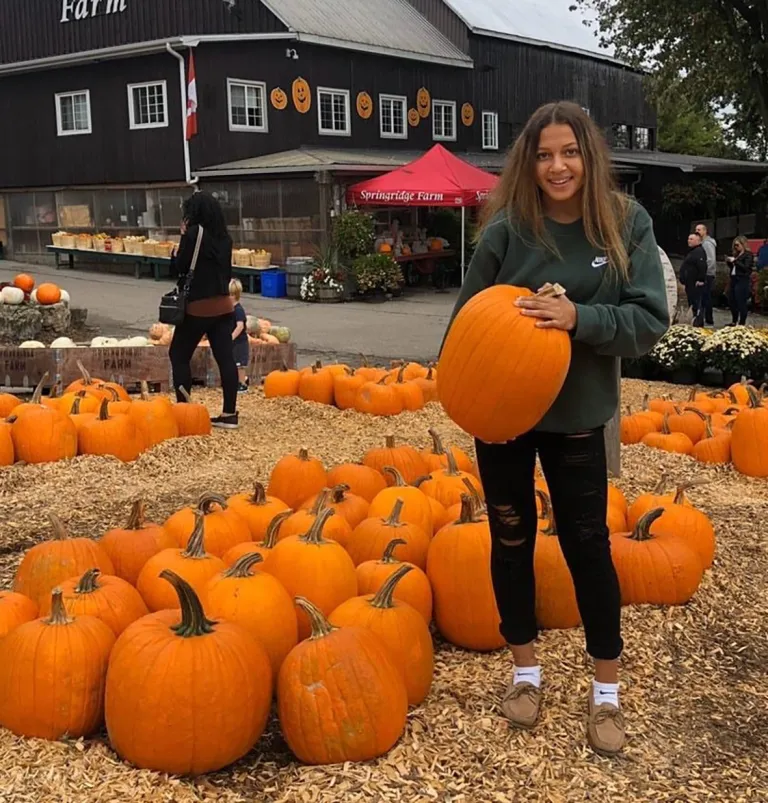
(336, 526)
(302, 95)
(385, 248)
(191, 417)
(7, 453)
(24, 282)
(282, 383)
(345, 388)
(483, 373)
(223, 527)
(8, 403)
(362, 481)
(448, 485)
(416, 509)
(257, 509)
(407, 460)
(261, 547)
(295, 478)
(48, 294)
(317, 386)
(15, 610)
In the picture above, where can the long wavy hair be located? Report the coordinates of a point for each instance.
(202, 209)
(604, 208)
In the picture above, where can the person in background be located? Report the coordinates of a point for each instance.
(693, 276)
(209, 307)
(710, 247)
(762, 256)
(556, 216)
(670, 282)
(740, 266)
(240, 344)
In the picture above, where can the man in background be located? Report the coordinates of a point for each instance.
(710, 248)
(693, 275)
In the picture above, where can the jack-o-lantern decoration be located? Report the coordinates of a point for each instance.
(364, 105)
(279, 98)
(302, 96)
(467, 114)
(413, 118)
(423, 103)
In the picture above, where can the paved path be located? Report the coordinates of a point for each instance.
(408, 328)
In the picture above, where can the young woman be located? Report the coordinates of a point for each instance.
(556, 216)
(210, 309)
(740, 268)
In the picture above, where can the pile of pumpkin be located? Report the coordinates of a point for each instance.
(22, 290)
(717, 427)
(92, 417)
(320, 588)
(260, 332)
(367, 389)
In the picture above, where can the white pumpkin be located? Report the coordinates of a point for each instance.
(65, 297)
(32, 344)
(103, 342)
(63, 343)
(138, 341)
(33, 297)
(12, 295)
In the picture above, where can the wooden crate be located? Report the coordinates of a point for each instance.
(269, 357)
(127, 366)
(24, 368)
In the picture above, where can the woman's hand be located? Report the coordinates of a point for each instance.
(554, 312)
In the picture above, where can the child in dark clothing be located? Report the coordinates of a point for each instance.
(240, 344)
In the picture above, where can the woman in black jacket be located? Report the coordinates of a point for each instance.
(210, 310)
(740, 267)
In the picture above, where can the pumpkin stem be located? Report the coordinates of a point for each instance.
(241, 568)
(480, 507)
(338, 492)
(389, 441)
(394, 516)
(383, 597)
(661, 484)
(315, 534)
(642, 531)
(193, 619)
(364, 361)
(430, 371)
(708, 432)
(401, 376)
(755, 399)
(395, 474)
(185, 393)
(452, 470)
(144, 385)
(207, 500)
(107, 389)
(665, 430)
(303, 454)
(321, 627)
(88, 582)
(136, 519)
(259, 495)
(59, 530)
(75, 408)
(84, 373)
(37, 394)
(469, 512)
(686, 486)
(732, 411)
(195, 546)
(104, 409)
(55, 390)
(273, 529)
(388, 557)
(629, 409)
(59, 615)
(646, 399)
(692, 394)
(732, 397)
(437, 443)
(321, 502)
(696, 412)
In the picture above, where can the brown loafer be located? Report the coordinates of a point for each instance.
(521, 705)
(605, 729)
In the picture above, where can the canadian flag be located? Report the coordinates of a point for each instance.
(191, 98)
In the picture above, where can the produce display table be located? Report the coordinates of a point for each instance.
(158, 267)
(425, 264)
(250, 277)
(23, 368)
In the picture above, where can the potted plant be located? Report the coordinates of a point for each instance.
(353, 235)
(678, 354)
(377, 274)
(736, 351)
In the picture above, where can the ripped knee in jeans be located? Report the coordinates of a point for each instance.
(506, 520)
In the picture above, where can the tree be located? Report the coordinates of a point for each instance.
(716, 49)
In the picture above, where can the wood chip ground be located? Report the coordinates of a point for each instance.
(695, 692)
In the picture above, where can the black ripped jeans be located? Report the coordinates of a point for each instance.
(576, 473)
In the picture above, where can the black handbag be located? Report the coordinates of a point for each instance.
(173, 305)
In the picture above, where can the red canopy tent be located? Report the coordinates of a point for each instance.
(438, 178)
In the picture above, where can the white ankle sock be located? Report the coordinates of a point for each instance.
(606, 693)
(528, 674)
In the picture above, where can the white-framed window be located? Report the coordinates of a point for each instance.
(247, 101)
(148, 105)
(73, 113)
(444, 120)
(392, 117)
(490, 131)
(333, 114)
(642, 138)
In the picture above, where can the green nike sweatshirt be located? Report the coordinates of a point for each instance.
(615, 319)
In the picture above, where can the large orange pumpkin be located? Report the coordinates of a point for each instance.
(192, 418)
(8, 402)
(24, 282)
(113, 435)
(353, 662)
(459, 569)
(257, 509)
(7, 453)
(56, 669)
(345, 388)
(154, 418)
(400, 628)
(351, 507)
(448, 485)
(407, 460)
(416, 508)
(336, 527)
(749, 442)
(295, 478)
(282, 383)
(46, 565)
(257, 601)
(361, 480)
(496, 359)
(223, 526)
(209, 683)
(15, 610)
(314, 567)
(48, 294)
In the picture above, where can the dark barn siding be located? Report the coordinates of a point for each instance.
(445, 20)
(32, 29)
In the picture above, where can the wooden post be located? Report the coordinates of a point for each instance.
(613, 438)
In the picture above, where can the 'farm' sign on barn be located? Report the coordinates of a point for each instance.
(84, 9)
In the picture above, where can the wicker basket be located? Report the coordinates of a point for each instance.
(164, 249)
(242, 258)
(149, 248)
(84, 242)
(100, 243)
(133, 246)
(117, 245)
(261, 260)
(67, 241)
